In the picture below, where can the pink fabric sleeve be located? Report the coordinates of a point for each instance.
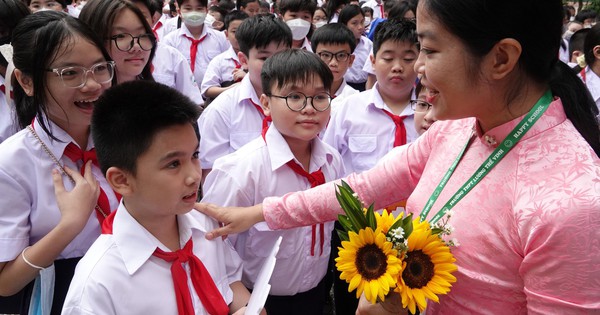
(390, 182)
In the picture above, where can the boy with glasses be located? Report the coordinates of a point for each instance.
(287, 157)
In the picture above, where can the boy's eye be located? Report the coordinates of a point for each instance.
(195, 155)
(295, 97)
(174, 164)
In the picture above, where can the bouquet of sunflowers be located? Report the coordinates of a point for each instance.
(381, 252)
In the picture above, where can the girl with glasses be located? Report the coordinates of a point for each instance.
(61, 68)
(127, 36)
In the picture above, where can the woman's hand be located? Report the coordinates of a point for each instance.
(76, 205)
(391, 306)
(233, 219)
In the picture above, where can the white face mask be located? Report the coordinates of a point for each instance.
(320, 23)
(43, 9)
(567, 35)
(193, 18)
(299, 28)
(367, 21)
(210, 21)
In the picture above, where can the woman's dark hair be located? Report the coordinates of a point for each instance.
(480, 24)
(332, 5)
(100, 16)
(11, 12)
(348, 12)
(37, 41)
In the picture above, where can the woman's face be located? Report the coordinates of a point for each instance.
(444, 64)
(130, 63)
(357, 25)
(72, 107)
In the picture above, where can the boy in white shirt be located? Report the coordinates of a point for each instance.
(365, 126)
(334, 43)
(288, 157)
(225, 71)
(298, 14)
(152, 247)
(197, 43)
(235, 117)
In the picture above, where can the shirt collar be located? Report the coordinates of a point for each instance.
(280, 153)
(247, 91)
(340, 90)
(376, 101)
(57, 147)
(554, 115)
(136, 245)
(231, 54)
(184, 31)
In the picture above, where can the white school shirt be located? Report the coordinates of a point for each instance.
(219, 70)
(169, 25)
(172, 69)
(214, 44)
(592, 81)
(229, 122)
(28, 208)
(355, 74)
(8, 123)
(343, 91)
(368, 66)
(306, 45)
(259, 170)
(377, 8)
(361, 132)
(159, 28)
(119, 274)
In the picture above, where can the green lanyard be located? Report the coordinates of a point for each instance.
(507, 144)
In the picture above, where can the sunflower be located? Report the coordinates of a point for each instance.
(385, 220)
(426, 270)
(368, 263)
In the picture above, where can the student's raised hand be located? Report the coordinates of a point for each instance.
(76, 205)
(391, 306)
(233, 219)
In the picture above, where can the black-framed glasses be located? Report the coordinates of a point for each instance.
(339, 56)
(296, 101)
(420, 106)
(125, 41)
(76, 76)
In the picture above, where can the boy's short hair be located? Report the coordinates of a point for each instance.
(261, 30)
(577, 40)
(226, 4)
(234, 15)
(264, 5)
(368, 10)
(218, 9)
(297, 6)
(244, 3)
(293, 65)
(202, 2)
(128, 116)
(395, 30)
(333, 33)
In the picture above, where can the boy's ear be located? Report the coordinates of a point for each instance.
(264, 101)
(596, 51)
(119, 181)
(351, 60)
(25, 82)
(243, 59)
(502, 58)
(372, 60)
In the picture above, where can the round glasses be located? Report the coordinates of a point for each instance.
(339, 56)
(125, 41)
(297, 101)
(76, 76)
(420, 106)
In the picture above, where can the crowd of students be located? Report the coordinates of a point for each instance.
(118, 116)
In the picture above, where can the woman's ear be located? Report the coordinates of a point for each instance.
(25, 81)
(596, 51)
(120, 181)
(502, 58)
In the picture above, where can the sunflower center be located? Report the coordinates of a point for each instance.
(371, 262)
(419, 269)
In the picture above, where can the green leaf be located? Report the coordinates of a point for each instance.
(407, 225)
(346, 223)
(371, 220)
(436, 231)
(343, 235)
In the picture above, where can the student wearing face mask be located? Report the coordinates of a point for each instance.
(197, 43)
(298, 15)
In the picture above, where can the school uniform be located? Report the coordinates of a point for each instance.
(120, 275)
(592, 81)
(231, 120)
(28, 205)
(377, 7)
(258, 170)
(171, 69)
(343, 91)
(355, 74)
(8, 124)
(306, 45)
(212, 44)
(159, 28)
(368, 66)
(220, 70)
(362, 132)
(169, 25)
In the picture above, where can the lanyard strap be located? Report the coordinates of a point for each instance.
(505, 146)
